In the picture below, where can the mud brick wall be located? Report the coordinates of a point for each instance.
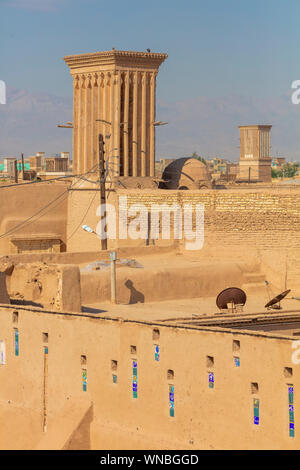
(259, 218)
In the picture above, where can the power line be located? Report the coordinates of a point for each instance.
(42, 181)
(80, 223)
(29, 219)
(17, 227)
(28, 222)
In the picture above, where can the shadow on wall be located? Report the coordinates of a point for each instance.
(95, 311)
(135, 295)
(25, 302)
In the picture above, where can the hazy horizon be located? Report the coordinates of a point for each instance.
(229, 63)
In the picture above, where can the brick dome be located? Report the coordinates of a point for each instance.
(186, 173)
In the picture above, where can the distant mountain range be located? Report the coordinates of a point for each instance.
(28, 123)
(204, 125)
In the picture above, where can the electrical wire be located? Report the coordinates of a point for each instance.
(29, 219)
(37, 182)
(25, 222)
(85, 214)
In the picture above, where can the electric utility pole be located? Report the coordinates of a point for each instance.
(102, 185)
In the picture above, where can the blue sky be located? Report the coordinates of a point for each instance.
(219, 49)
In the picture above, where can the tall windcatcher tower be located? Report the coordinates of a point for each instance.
(114, 94)
(255, 160)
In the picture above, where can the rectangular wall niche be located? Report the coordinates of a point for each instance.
(84, 380)
(291, 411)
(171, 400)
(256, 410)
(155, 334)
(114, 367)
(15, 316)
(134, 379)
(2, 353)
(156, 352)
(210, 361)
(16, 335)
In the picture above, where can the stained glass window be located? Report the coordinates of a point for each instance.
(256, 410)
(291, 412)
(84, 380)
(2, 352)
(16, 342)
(237, 362)
(171, 400)
(211, 380)
(134, 379)
(156, 352)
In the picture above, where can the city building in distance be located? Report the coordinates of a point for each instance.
(255, 160)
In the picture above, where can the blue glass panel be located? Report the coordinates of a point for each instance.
(171, 400)
(16, 342)
(256, 410)
(291, 412)
(237, 361)
(134, 379)
(84, 380)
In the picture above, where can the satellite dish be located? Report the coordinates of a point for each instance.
(273, 302)
(233, 296)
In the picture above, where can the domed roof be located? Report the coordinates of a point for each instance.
(186, 173)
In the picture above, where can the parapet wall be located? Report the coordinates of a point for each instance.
(64, 357)
(259, 223)
(260, 218)
(54, 287)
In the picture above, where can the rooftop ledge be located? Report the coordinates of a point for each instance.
(40, 236)
(115, 57)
